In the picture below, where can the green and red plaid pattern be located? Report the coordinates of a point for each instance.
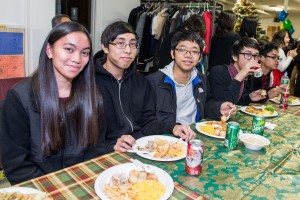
(77, 182)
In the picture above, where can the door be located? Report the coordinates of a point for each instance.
(78, 10)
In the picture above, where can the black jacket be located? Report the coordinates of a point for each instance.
(129, 106)
(20, 142)
(220, 49)
(223, 88)
(164, 89)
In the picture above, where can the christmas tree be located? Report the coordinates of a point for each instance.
(246, 9)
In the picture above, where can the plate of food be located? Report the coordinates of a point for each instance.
(215, 129)
(160, 148)
(293, 101)
(265, 111)
(130, 181)
(20, 193)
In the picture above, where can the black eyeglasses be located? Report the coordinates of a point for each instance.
(122, 45)
(274, 57)
(185, 51)
(248, 56)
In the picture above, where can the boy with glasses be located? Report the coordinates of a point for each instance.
(181, 91)
(229, 82)
(128, 102)
(269, 61)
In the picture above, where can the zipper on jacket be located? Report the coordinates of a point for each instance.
(120, 83)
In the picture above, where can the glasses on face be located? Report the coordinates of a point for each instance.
(274, 57)
(248, 56)
(122, 45)
(194, 53)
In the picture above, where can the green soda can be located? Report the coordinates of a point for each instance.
(258, 125)
(232, 135)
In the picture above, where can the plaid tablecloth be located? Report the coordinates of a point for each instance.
(271, 173)
(77, 182)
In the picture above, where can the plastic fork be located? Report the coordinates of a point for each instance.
(141, 165)
(143, 152)
(227, 118)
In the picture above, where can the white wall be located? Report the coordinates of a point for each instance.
(108, 11)
(12, 12)
(39, 15)
(33, 15)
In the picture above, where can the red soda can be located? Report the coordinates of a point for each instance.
(284, 100)
(194, 157)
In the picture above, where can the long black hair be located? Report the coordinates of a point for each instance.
(226, 22)
(248, 27)
(77, 118)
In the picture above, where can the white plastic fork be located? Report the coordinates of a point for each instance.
(227, 118)
(140, 151)
(141, 165)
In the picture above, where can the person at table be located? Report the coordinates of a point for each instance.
(180, 90)
(53, 119)
(229, 82)
(57, 19)
(194, 23)
(269, 61)
(128, 101)
(282, 39)
(224, 38)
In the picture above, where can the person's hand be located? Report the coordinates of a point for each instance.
(274, 92)
(256, 95)
(124, 143)
(184, 131)
(251, 67)
(227, 107)
(283, 87)
(292, 53)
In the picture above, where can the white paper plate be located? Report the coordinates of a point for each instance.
(24, 190)
(277, 100)
(144, 140)
(243, 109)
(105, 177)
(198, 125)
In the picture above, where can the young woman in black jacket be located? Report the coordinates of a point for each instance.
(52, 120)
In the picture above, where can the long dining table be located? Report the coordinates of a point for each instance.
(270, 173)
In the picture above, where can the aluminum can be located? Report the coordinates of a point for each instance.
(258, 74)
(194, 157)
(232, 135)
(284, 100)
(258, 125)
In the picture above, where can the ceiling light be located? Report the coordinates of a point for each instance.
(262, 12)
(276, 8)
